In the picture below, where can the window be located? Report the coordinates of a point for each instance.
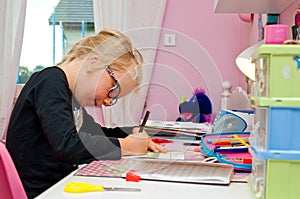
(51, 28)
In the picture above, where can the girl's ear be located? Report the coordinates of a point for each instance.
(94, 59)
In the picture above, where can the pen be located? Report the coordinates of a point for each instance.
(231, 149)
(191, 144)
(213, 141)
(228, 143)
(241, 140)
(240, 160)
(144, 121)
(161, 141)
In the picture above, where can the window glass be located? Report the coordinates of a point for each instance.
(51, 28)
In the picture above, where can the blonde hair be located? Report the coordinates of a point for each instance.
(113, 48)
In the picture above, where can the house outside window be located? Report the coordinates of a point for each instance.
(51, 29)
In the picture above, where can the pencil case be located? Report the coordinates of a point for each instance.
(228, 147)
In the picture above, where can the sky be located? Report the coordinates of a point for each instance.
(37, 46)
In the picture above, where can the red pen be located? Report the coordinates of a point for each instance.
(240, 160)
(161, 141)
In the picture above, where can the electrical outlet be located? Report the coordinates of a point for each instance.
(169, 40)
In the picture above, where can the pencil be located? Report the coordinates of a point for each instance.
(144, 121)
(241, 140)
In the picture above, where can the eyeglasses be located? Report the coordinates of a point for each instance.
(137, 56)
(114, 92)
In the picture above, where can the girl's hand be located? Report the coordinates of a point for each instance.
(139, 143)
(157, 148)
(135, 143)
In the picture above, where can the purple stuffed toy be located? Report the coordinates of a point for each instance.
(198, 109)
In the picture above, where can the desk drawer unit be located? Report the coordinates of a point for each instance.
(274, 178)
(277, 75)
(276, 130)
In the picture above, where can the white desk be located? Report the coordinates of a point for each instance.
(150, 189)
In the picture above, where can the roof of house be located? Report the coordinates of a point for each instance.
(73, 11)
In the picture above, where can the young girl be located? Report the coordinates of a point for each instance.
(50, 132)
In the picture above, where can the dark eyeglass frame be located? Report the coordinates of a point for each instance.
(114, 92)
(137, 56)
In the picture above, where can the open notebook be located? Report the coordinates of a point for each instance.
(162, 170)
(182, 171)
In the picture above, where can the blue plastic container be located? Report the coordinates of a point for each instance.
(276, 129)
(274, 178)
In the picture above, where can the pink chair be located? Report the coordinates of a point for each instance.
(10, 183)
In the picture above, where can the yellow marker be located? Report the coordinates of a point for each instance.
(241, 140)
(81, 187)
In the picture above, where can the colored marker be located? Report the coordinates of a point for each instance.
(213, 141)
(236, 149)
(240, 160)
(227, 142)
(241, 140)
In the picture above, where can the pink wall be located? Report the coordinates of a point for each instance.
(204, 56)
(207, 44)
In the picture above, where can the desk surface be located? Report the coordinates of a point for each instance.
(150, 189)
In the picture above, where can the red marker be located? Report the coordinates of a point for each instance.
(161, 141)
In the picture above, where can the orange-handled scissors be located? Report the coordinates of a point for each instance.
(82, 187)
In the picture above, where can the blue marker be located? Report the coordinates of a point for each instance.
(236, 149)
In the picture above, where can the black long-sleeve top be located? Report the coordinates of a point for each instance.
(42, 138)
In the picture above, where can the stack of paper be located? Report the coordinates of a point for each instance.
(183, 128)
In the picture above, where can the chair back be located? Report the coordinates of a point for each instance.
(10, 183)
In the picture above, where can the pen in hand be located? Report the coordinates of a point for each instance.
(144, 121)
